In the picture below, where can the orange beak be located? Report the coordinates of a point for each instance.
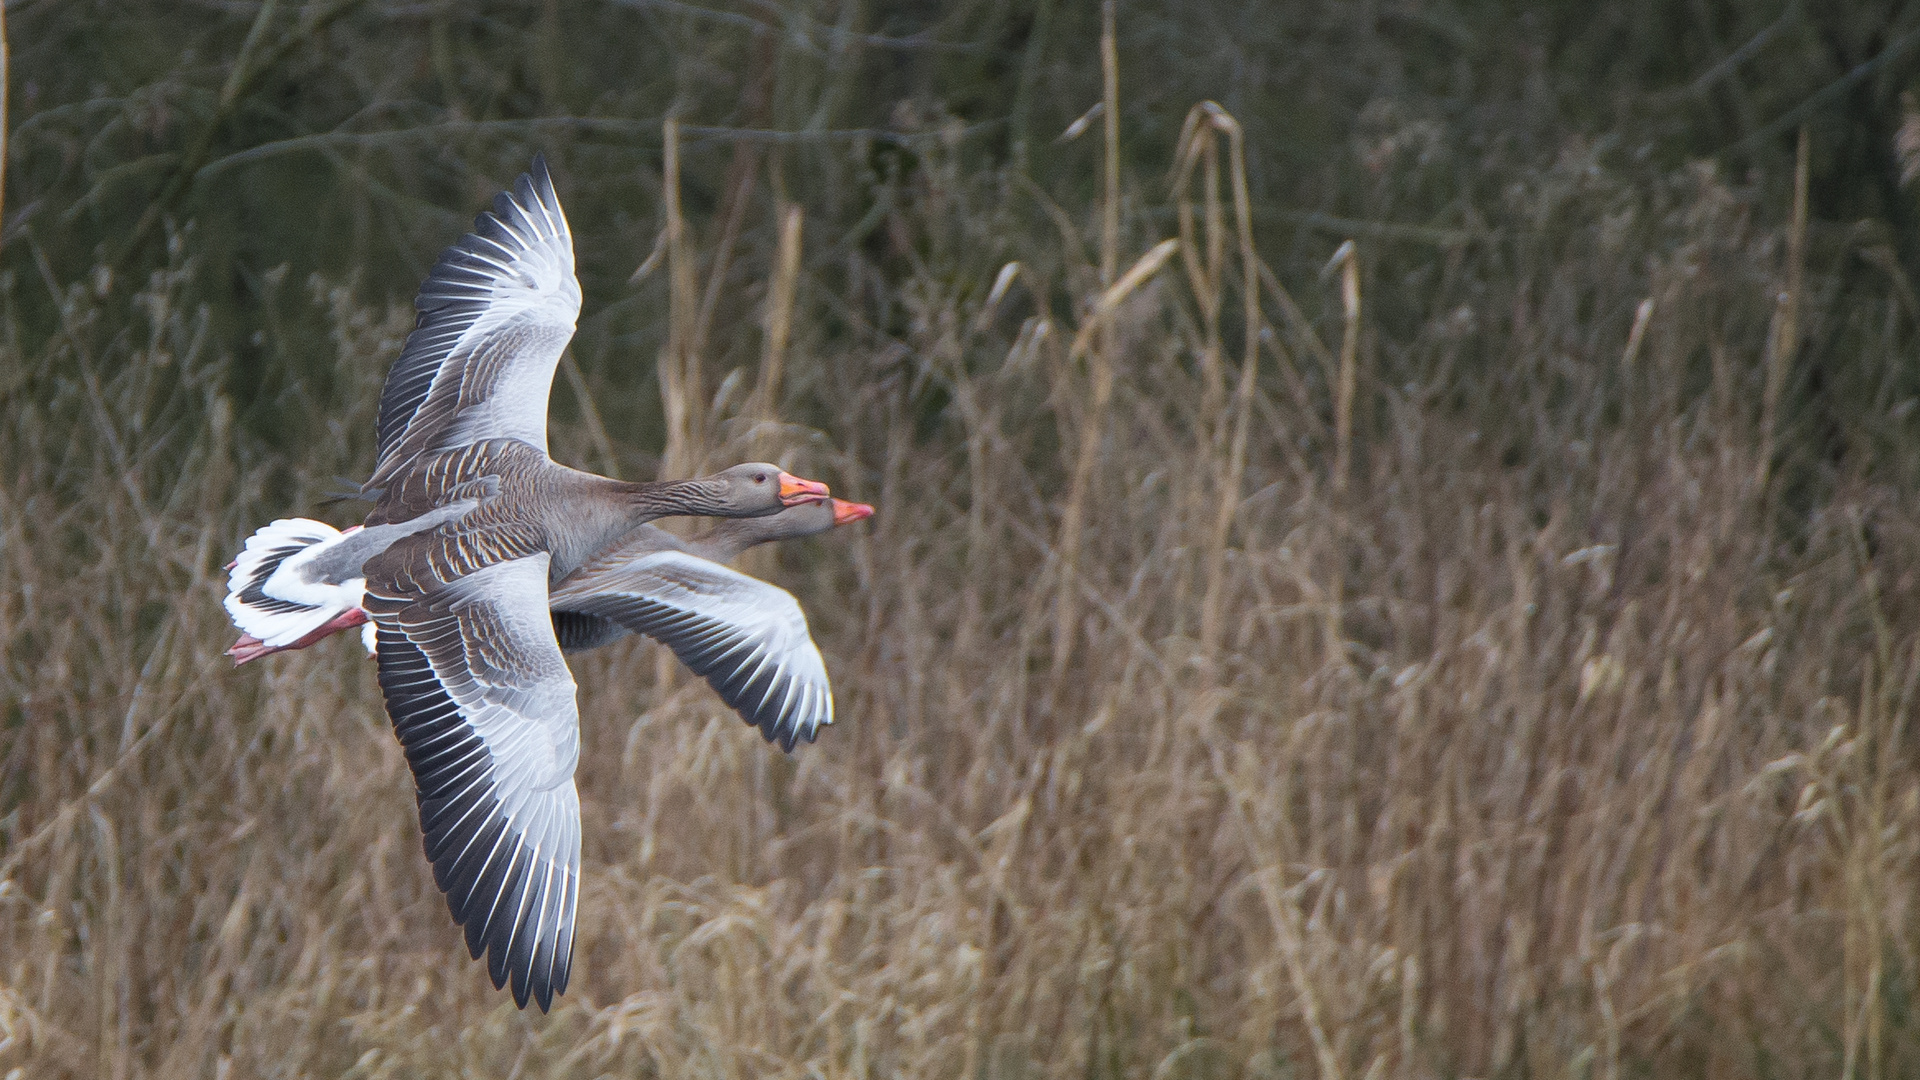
(846, 513)
(794, 490)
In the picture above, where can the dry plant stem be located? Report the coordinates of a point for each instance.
(1282, 911)
(739, 193)
(653, 260)
(3, 112)
(1630, 355)
(762, 411)
(590, 414)
(778, 329)
(1110, 124)
(1085, 343)
(1100, 358)
(1227, 497)
(1216, 269)
(1090, 344)
(1348, 261)
(1300, 325)
(741, 172)
(1784, 341)
(1204, 257)
(1199, 141)
(1636, 337)
(1880, 719)
(681, 395)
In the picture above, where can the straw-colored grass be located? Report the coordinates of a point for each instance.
(1425, 724)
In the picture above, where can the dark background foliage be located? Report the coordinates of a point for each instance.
(354, 138)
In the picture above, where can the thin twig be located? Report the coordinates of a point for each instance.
(741, 172)
(1784, 342)
(242, 77)
(1021, 118)
(590, 413)
(445, 129)
(1821, 97)
(1382, 230)
(3, 111)
(1100, 356)
(679, 367)
(1732, 61)
(1347, 259)
(1227, 504)
(799, 27)
(779, 324)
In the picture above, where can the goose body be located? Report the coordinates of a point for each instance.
(473, 526)
(324, 586)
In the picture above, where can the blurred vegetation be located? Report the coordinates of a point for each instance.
(351, 138)
(1489, 652)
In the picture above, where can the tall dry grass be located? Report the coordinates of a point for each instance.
(1544, 715)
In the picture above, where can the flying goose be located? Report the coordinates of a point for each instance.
(747, 638)
(290, 588)
(297, 580)
(474, 523)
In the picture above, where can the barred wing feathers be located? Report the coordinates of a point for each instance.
(493, 318)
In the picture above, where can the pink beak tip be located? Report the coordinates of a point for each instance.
(846, 513)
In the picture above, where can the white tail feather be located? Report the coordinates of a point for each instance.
(269, 599)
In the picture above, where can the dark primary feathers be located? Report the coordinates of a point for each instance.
(578, 631)
(484, 705)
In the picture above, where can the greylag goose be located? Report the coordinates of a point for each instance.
(473, 523)
(747, 638)
(291, 586)
(297, 580)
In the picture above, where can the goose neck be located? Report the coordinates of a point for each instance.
(678, 497)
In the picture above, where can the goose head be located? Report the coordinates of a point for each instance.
(726, 540)
(757, 488)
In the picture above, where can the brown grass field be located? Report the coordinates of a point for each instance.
(1216, 699)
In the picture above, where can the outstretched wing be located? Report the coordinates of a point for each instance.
(494, 316)
(748, 639)
(484, 705)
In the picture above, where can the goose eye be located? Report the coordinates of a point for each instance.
(759, 478)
